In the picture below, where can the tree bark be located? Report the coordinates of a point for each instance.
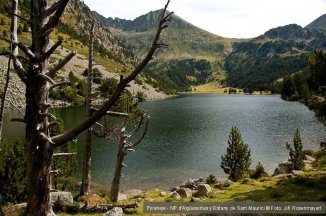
(39, 150)
(117, 174)
(86, 182)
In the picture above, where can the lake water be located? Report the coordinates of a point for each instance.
(187, 136)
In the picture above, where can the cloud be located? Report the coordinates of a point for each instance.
(229, 18)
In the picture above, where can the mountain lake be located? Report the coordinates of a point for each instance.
(188, 134)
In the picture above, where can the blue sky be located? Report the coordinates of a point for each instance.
(228, 18)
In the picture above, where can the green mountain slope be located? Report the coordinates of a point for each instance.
(255, 64)
(112, 58)
(318, 24)
(187, 43)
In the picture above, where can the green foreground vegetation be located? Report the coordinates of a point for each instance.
(308, 186)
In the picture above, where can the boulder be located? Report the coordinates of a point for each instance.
(62, 196)
(283, 168)
(245, 181)
(309, 158)
(189, 184)
(176, 196)
(114, 212)
(17, 209)
(203, 190)
(297, 172)
(134, 193)
(227, 183)
(163, 194)
(175, 189)
(219, 185)
(194, 199)
(122, 197)
(184, 192)
(288, 175)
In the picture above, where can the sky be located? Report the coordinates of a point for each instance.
(227, 18)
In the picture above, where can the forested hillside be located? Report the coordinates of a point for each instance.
(187, 43)
(309, 85)
(281, 51)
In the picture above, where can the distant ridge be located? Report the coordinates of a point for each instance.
(144, 22)
(318, 24)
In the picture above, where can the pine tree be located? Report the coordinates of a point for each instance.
(20, 30)
(4, 33)
(296, 153)
(237, 159)
(25, 27)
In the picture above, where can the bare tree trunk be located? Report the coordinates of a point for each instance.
(86, 182)
(37, 78)
(117, 174)
(39, 151)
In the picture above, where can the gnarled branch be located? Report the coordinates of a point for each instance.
(47, 78)
(21, 46)
(53, 21)
(142, 136)
(74, 132)
(52, 49)
(59, 84)
(61, 64)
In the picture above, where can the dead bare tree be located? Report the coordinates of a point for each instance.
(13, 37)
(86, 180)
(4, 95)
(121, 136)
(38, 80)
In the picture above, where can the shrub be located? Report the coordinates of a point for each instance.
(308, 152)
(258, 172)
(141, 96)
(97, 76)
(12, 172)
(107, 87)
(138, 81)
(25, 27)
(20, 30)
(277, 194)
(211, 179)
(4, 33)
(2, 22)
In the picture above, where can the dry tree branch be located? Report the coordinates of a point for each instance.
(59, 84)
(53, 21)
(50, 10)
(12, 104)
(47, 78)
(74, 132)
(20, 17)
(52, 49)
(61, 64)
(21, 46)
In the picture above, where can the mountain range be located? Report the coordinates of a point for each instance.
(251, 64)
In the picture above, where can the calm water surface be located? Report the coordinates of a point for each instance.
(188, 134)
